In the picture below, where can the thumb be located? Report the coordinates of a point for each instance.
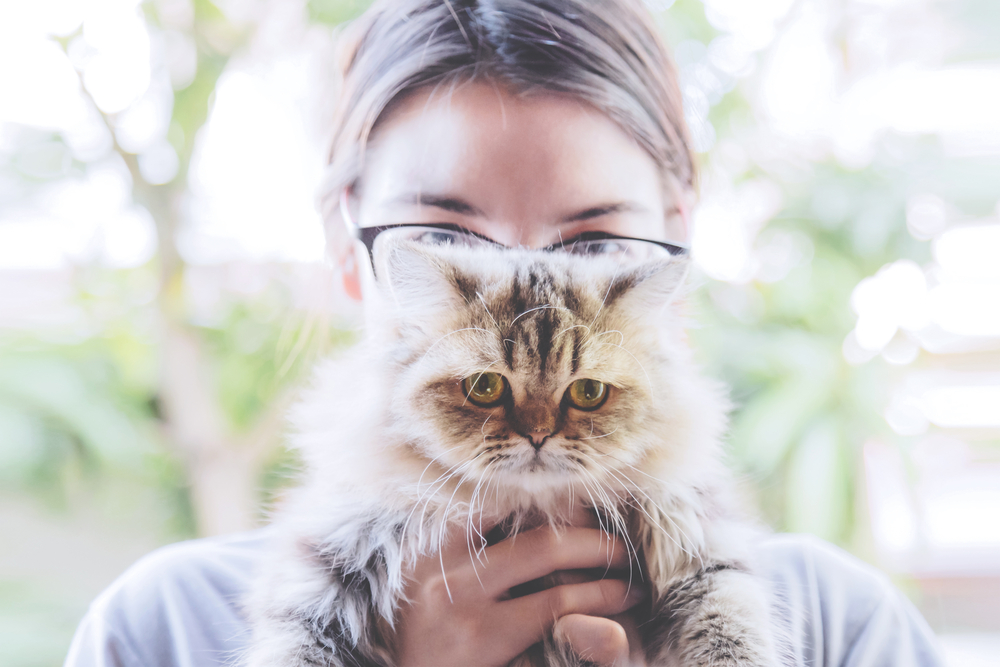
(595, 639)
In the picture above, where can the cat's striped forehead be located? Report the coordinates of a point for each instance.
(538, 319)
(544, 316)
(543, 312)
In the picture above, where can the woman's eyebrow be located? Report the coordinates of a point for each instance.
(447, 203)
(604, 209)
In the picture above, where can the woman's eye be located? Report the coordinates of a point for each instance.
(485, 389)
(587, 394)
(600, 248)
(435, 238)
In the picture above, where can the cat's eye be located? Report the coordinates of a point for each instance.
(587, 394)
(485, 389)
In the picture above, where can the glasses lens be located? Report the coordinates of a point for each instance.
(391, 238)
(624, 250)
(430, 236)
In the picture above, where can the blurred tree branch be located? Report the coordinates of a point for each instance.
(222, 463)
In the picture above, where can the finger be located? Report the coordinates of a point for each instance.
(460, 544)
(584, 517)
(605, 597)
(542, 551)
(593, 638)
(518, 624)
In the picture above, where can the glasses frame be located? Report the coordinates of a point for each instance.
(367, 235)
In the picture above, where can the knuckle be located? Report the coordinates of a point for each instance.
(549, 543)
(543, 547)
(434, 594)
(468, 627)
(561, 601)
(612, 593)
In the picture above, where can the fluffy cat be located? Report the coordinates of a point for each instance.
(396, 453)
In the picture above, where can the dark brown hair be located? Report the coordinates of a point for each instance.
(606, 53)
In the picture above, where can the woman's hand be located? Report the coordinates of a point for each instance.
(460, 613)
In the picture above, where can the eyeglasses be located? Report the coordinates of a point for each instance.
(626, 249)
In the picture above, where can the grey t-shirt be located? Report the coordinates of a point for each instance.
(180, 607)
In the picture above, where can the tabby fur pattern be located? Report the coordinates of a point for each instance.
(395, 457)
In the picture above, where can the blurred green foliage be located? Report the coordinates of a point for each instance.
(92, 404)
(335, 12)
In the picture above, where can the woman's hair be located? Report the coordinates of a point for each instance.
(606, 53)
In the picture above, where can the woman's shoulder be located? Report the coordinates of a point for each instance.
(214, 566)
(181, 600)
(839, 610)
(813, 562)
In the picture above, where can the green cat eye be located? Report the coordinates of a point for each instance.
(587, 394)
(485, 389)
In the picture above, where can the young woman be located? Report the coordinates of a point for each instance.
(529, 122)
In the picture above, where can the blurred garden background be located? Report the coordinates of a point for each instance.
(163, 289)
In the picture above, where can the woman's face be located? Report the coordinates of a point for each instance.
(527, 171)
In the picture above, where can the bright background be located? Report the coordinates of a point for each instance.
(162, 285)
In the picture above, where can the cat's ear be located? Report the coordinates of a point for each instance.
(650, 287)
(417, 284)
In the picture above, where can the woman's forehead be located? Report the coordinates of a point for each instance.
(508, 156)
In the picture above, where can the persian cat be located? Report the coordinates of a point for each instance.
(511, 385)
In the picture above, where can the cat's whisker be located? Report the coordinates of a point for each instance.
(595, 437)
(611, 284)
(432, 462)
(674, 523)
(487, 309)
(546, 306)
(609, 505)
(451, 500)
(476, 491)
(638, 470)
(664, 514)
(482, 429)
(652, 393)
(482, 491)
(613, 331)
(420, 496)
(471, 527)
(598, 490)
(436, 486)
(444, 574)
(630, 549)
(447, 474)
(452, 333)
(614, 518)
(496, 493)
(568, 329)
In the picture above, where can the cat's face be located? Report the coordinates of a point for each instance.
(527, 369)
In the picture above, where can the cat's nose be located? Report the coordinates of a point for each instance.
(538, 438)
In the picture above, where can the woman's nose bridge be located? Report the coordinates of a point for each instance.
(520, 233)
